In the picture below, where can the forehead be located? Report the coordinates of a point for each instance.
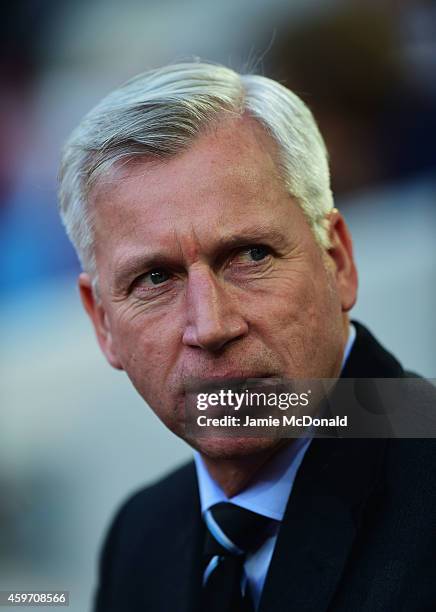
(226, 180)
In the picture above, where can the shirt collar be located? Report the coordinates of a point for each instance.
(268, 494)
(349, 344)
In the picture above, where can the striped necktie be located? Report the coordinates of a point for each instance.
(232, 532)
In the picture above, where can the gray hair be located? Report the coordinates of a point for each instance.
(160, 112)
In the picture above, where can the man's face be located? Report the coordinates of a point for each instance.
(208, 269)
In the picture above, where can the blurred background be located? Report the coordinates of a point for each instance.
(74, 437)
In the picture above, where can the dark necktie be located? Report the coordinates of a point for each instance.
(232, 532)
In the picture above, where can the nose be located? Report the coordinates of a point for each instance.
(213, 319)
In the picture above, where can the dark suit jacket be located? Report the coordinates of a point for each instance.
(359, 531)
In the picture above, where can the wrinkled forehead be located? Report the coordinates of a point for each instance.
(226, 177)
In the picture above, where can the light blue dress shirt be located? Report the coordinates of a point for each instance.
(267, 494)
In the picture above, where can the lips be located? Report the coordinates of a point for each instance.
(234, 379)
(236, 375)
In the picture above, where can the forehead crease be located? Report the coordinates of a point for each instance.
(193, 244)
(190, 233)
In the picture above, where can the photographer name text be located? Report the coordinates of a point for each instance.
(270, 421)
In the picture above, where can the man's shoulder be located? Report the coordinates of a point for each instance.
(151, 513)
(399, 520)
(412, 462)
(149, 521)
(174, 490)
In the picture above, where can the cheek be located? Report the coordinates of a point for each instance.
(147, 349)
(299, 322)
(148, 354)
(300, 297)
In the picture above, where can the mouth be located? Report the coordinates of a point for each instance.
(237, 380)
(236, 375)
(231, 379)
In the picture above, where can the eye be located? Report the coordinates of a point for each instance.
(251, 257)
(155, 277)
(257, 252)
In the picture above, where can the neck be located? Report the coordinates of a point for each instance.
(233, 475)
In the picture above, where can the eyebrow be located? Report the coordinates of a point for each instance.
(138, 263)
(250, 236)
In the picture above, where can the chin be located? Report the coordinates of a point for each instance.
(232, 448)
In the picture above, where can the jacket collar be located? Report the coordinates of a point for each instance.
(368, 359)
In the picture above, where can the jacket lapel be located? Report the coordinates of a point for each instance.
(174, 553)
(320, 524)
(182, 572)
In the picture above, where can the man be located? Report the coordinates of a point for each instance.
(199, 204)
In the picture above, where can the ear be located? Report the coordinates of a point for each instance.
(99, 318)
(341, 255)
